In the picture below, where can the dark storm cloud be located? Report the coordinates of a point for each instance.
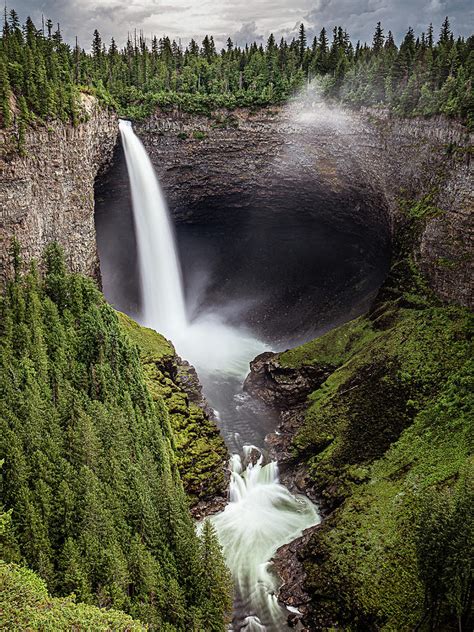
(244, 21)
(360, 16)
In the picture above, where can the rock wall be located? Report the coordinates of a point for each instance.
(367, 161)
(364, 161)
(47, 194)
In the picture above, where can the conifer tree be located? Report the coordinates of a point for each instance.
(378, 40)
(302, 42)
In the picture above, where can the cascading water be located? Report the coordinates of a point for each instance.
(207, 341)
(162, 288)
(262, 514)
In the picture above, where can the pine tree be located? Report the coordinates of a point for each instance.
(216, 581)
(5, 94)
(445, 33)
(301, 43)
(378, 40)
(97, 50)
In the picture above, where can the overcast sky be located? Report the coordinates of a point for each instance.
(244, 21)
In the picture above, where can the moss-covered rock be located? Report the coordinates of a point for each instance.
(200, 449)
(386, 441)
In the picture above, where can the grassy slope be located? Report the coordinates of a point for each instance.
(200, 448)
(26, 605)
(388, 433)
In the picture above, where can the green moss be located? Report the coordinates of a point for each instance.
(151, 344)
(421, 209)
(333, 348)
(369, 400)
(391, 427)
(199, 135)
(26, 605)
(200, 450)
(369, 548)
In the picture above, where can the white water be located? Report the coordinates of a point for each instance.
(262, 515)
(160, 274)
(207, 341)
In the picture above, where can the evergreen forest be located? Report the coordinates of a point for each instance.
(95, 502)
(42, 76)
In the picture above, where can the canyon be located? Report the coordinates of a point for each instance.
(367, 173)
(367, 163)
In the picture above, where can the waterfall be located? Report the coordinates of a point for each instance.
(262, 516)
(163, 305)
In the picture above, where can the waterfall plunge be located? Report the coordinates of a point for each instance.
(210, 344)
(162, 287)
(262, 514)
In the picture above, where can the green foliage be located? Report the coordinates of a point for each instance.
(199, 135)
(201, 454)
(420, 78)
(388, 442)
(92, 493)
(421, 209)
(26, 605)
(331, 349)
(445, 539)
(217, 581)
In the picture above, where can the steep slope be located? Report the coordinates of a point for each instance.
(90, 474)
(202, 456)
(385, 441)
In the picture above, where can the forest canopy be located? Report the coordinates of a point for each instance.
(93, 501)
(42, 76)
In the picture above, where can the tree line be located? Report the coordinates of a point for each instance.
(419, 77)
(41, 76)
(90, 482)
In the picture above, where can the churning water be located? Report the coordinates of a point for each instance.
(262, 514)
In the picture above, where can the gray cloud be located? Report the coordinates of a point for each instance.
(243, 21)
(248, 32)
(361, 16)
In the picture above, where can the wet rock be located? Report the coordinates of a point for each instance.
(293, 620)
(186, 376)
(290, 569)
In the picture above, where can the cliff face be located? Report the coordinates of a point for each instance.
(366, 162)
(48, 193)
(429, 160)
(201, 454)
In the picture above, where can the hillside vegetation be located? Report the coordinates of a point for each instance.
(90, 479)
(41, 76)
(388, 443)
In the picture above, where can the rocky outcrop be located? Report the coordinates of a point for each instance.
(201, 454)
(280, 386)
(47, 190)
(364, 163)
(288, 563)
